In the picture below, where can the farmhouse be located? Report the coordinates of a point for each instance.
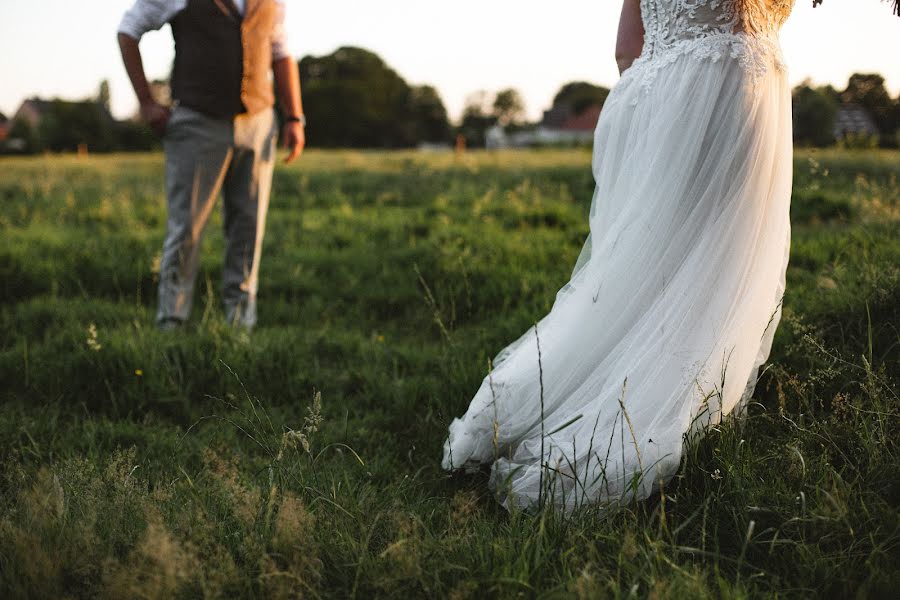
(60, 125)
(34, 110)
(561, 126)
(853, 119)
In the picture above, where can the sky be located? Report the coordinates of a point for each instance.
(63, 48)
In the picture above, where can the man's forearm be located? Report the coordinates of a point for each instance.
(134, 66)
(287, 82)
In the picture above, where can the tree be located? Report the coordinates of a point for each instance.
(477, 119)
(580, 95)
(815, 111)
(829, 91)
(478, 104)
(429, 115)
(867, 90)
(103, 95)
(66, 125)
(355, 100)
(508, 107)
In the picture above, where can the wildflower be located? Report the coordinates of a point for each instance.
(155, 264)
(716, 475)
(139, 372)
(826, 283)
(92, 342)
(311, 423)
(291, 439)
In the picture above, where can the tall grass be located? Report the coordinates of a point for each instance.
(303, 460)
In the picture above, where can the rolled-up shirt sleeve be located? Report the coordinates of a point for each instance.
(149, 15)
(279, 33)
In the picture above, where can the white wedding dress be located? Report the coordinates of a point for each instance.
(678, 288)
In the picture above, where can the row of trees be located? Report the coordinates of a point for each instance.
(63, 126)
(483, 110)
(66, 126)
(354, 99)
(507, 109)
(816, 110)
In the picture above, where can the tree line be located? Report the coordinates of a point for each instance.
(354, 99)
(817, 111)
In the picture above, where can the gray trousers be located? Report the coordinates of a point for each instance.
(204, 156)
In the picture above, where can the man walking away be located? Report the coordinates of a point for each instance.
(220, 135)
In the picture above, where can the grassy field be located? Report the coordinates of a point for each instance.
(202, 463)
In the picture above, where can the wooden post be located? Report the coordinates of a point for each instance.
(460, 144)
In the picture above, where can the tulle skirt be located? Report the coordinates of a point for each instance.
(674, 301)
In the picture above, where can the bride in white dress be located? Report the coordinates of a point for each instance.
(673, 303)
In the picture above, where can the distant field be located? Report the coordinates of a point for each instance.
(141, 464)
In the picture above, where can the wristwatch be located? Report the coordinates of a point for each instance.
(296, 119)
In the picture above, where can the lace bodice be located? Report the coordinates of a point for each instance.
(745, 31)
(667, 22)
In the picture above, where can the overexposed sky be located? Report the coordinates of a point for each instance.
(65, 47)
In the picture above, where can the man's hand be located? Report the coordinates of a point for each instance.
(155, 115)
(294, 139)
(287, 82)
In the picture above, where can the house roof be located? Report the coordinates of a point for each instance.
(586, 120)
(557, 115)
(35, 108)
(37, 104)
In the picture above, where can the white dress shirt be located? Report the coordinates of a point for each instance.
(150, 15)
